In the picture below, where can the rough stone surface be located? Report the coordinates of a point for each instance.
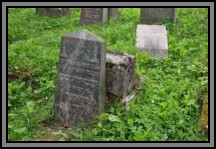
(113, 13)
(93, 16)
(53, 12)
(126, 100)
(120, 73)
(81, 90)
(153, 39)
(153, 15)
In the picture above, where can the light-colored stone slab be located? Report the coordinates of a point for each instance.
(152, 39)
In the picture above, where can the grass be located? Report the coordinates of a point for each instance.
(166, 106)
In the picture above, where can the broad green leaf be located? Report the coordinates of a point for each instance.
(56, 132)
(12, 114)
(130, 122)
(99, 125)
(30, 106)
(114, 118)
(179, 71)
(64, 135)
(20, 130)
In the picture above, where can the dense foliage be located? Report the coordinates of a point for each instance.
(165, 106)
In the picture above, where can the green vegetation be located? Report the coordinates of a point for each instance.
(165, 107)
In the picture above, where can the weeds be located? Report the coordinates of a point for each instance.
(165, 108)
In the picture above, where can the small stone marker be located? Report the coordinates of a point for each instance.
(113, 13)
(153, 15)
(153, 39)
(81, 90)
(53, 12)
(120, 73)
(93, 15)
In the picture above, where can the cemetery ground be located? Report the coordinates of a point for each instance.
(167, 103)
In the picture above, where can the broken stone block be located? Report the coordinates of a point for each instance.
(153, 39)
(53, 12)
(120, 73)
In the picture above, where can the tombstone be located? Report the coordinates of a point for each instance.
(120, 73)
(153, 15)
(113, 13)
(152, 39)
(80, 91)
(53, 12)
(93, 16)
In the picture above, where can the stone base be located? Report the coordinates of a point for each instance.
(153, 39)
(53, 12)
(113, 99)
(120, 73)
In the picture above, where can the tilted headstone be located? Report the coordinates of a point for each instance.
(120, 73)
(53, 12)
(113, 13)
(153, 39)
(93, 15)
(80, 91)
(153, 15)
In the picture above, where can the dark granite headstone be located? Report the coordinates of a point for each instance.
(153, 15)
(113, 13)
(80, 91)
(93, 15)
(53, 12)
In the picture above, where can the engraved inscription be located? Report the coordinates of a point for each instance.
(81, 69)
(91, 15)
(79, 90)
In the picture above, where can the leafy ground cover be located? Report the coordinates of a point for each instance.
(166, 106)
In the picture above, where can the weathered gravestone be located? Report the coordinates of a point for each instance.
(113, 13)
(120, 73)
(80, 91)
(93, 16)
(153, 39)
(153, 15)
(53, 12)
